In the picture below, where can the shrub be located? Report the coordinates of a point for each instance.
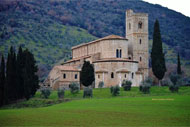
(87, 92)
(45, 92)
(74, 87)
(126, 84)
(115, 90)
(101, 84)
(61, 92)
(145, 86)
(176, 82)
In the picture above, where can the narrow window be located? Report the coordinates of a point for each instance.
(140, 58)
(64, 76)
(140, 25)
(76, 76)
(117, 53)
(132, 75)
(120, 53)
(98, 76)
(112, 75)
(125, 75)
(140, 41)
(129, 26)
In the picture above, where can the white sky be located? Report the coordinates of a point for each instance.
(182, 6)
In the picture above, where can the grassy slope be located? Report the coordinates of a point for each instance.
(130, 109)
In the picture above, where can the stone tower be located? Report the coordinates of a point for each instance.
(137, 33)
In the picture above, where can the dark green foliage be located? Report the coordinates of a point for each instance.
(61, 92)
(20, 66)
(126, 84)
(11, 77)
(157, 55)
(87, 74)
(145, 86)
(87, 92)
(2, 81)
(21, 79)
(179, 72)
(115, 90)
(101, 84)
(74, 87)
(29, 75)
(177, 81)
(45, 92)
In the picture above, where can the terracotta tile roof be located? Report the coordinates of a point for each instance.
(115, 60)
(76, 59)
(67, 68)
(123, 71)
(110, 37)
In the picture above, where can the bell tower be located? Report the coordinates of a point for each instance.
(137, 33)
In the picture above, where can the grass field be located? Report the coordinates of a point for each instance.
(159, 108)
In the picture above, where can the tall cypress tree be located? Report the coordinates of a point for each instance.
(30, 79)
(157, 55)
(87, 74)
(20, 66)
(2, 81)
(11, 90)
(179, 72)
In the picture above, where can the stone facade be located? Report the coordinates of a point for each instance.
(114, 58)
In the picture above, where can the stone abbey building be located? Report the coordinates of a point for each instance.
(114, 58)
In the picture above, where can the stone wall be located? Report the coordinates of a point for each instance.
(120, 70)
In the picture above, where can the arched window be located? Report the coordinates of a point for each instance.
(140, 25)
(64, 76)
(132, 75)
(140, 58)
(112, 75)
(117, 53)
(125, 75)
(129, 26)
(140, 41)
(76, 76)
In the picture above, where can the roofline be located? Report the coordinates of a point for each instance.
(118, 60)
(100, 39)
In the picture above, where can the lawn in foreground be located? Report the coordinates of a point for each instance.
(152, 110)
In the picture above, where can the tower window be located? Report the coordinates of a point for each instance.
(112, 75)
(140, 41)
(64, 76)
(132, 75)
(140, 58)
(129, 26)
(117, 53)
(120, 53)
(140, 25)
(76, 76)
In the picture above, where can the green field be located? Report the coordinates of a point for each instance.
(159, 108)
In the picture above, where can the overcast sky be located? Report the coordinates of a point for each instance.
(182, 6)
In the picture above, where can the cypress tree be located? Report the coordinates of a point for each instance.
(20, 66)
(30, 79)
(157, 55)
(11, 77)
(179, 72)
(2, 81)
(87, 74)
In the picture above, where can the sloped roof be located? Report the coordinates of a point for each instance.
(66, 68)
(110, 37)
(115, 60)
